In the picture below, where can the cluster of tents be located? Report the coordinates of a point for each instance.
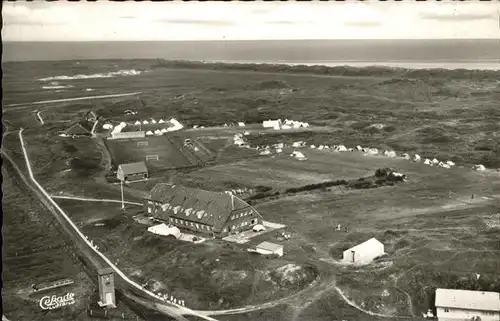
(287, 124)
(239, 191)
(239, 141)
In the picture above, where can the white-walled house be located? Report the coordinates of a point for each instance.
(268, 248)
(458, 305)
(364, 253)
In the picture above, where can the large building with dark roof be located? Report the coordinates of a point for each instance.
(199, 210)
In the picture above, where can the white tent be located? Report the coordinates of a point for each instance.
(479, 167)
(277, 127)
(153, 121)
(427, 161)
(435, 161)
(164, 130)
(107, 126)
(390, 153)
(405, 156)
(372, 151)
(280, 145)
(265, 152)
(145, 122)
(341, 148)
(321, 147)
(149, 133)
(350, 149)
(450, 163)
(163, 229)
(299, 155)
(161, 121)
(286, 127)
(137, 122)
(246, 133)
(296, 144)
(416, 158)
(312, 146)
(279, 150)
(364, 252)
(445, 166)
(158, 132)
(327, 147)
(241, 124)
(359, 148)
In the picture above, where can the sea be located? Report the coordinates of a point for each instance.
(448, 54)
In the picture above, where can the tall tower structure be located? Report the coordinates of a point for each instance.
(106, 288)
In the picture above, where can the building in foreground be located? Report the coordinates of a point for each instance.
(216, 213)
(132, 171)
(365, 252)
(458, 305)
(268, 248)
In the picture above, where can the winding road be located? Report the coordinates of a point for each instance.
(171, 309)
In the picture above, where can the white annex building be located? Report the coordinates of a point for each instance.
(267, 248)
(365, 252)
(455, 305)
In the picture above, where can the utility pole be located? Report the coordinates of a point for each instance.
(123, 202)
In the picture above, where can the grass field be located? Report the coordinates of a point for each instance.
(131, 151)
(434, 234)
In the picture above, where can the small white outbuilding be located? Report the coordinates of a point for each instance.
(390, 153)
(365, 252)
(268, 248)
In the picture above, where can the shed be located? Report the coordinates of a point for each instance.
(268, 248)
(452, 304)
(365, 252)
(132, 171)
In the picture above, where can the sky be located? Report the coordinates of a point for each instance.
(149, 21)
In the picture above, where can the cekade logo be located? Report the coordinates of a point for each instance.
(54, 302)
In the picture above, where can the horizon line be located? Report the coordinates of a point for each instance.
(234, 40)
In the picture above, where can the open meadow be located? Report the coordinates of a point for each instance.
(438, 226)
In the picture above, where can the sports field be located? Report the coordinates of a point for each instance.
(158, 152)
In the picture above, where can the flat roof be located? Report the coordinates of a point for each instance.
(269, 246)
(466, 299)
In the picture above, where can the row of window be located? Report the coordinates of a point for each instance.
(178, 209)
(191, 224)
(235, 226)
(238, 215)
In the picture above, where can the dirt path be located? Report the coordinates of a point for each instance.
(76, 198)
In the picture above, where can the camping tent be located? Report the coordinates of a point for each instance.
(279, 150)
(164, 130)
(427, 161)
(265, 152)
(299, 155)
(149, 133)
(479, 167)
(359, 148)
(107, 126)
(153, 121)
(158, 132)
(241, 124)
(372, 151)
(416, 158)
(405, 156)
(145, 122)
(137, 122)
(435, 161)
(450, 163)
(161, 121)
(258, 228)
(163, 229)
(390, 153)
(364, 252)
(341, 148)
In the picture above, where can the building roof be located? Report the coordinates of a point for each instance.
(466, 299)
(366, 246)
(78, 129)
(133, 168)
(105, 270)
(269, 246)
(197, 205)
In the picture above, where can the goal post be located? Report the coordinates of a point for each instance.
(151, 157)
